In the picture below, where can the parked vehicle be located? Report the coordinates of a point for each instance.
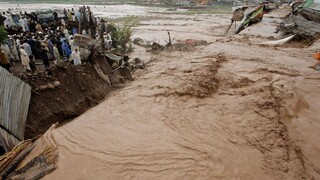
(45, 16)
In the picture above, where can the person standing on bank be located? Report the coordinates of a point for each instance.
(75, 56)
(56, 54)
(4, 62)
(44, 57)
(24, 59)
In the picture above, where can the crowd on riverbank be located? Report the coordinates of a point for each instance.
(36, 40)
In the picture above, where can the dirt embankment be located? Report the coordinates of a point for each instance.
(78, 89)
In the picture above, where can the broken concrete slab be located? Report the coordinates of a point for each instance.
(303, 27)
(83, 41)
(310, 14)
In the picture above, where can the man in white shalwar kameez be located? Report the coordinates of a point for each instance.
(71, 43)
(56, 55)
(75, 56)
(23, 24)
(24, 59)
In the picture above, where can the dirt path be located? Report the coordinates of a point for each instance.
(227, 110)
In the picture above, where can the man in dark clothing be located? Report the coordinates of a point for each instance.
(103, 28)
(30, 41)
(32, 26)
(59, 45)
(32, 62)
(65, 14)
(37, 46)
(55, 16)
(44, 57)
(92, 25)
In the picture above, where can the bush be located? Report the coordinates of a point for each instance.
(3, 35)
(121, 34)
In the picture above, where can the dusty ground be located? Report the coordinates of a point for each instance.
(230, 109)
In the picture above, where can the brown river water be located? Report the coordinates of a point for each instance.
(230, 109)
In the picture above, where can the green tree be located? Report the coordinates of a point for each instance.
(3, 34)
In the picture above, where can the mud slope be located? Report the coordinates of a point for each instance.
(82, 87)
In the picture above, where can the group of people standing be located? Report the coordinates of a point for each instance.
(28, 47)
(53, 42)
(23, 21)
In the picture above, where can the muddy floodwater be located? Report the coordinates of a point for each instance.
(110, 11)
(226, 109)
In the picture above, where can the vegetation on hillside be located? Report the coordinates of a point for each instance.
(122, 33)
(3, 34)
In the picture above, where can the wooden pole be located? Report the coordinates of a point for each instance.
(228, 28)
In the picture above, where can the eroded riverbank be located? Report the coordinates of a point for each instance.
(228, 109)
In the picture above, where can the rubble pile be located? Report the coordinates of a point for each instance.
(179, 45)
(42, 80)
(303, 22)
(26, 161)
